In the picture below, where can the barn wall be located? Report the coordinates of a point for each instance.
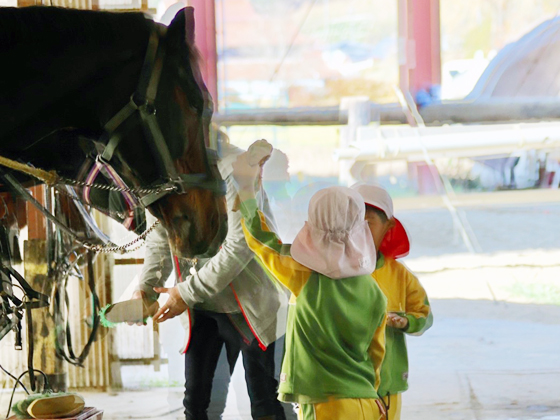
(99, 369)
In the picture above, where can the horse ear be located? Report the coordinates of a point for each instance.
(189, 25)
(182, 26)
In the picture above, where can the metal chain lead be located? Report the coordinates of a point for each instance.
(82, 184)
(99, 248)
(122, 249)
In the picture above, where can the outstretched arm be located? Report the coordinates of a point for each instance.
(158, 264)
(218, 272)
(261, 239)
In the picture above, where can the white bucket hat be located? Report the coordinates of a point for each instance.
(336, 240)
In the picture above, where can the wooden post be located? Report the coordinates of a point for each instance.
(419, 45)
(36, 222)
(114, 377)
(359, 115)
(35, 265)
(205, 40)
(35, 272)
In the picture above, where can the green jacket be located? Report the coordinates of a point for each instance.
(335, 338)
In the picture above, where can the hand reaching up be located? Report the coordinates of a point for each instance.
(247, 169)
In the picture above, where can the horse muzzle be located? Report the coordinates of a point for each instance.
(191, 248)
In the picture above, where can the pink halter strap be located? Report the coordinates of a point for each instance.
(131, 201)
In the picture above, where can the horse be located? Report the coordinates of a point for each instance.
(124, 91)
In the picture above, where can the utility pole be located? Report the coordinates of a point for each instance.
(419, 45)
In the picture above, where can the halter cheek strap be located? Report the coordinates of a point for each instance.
(143, 103)
(130, 199)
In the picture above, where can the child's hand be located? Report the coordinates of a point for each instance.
(248, 166)
(259, 152)
(396, 321)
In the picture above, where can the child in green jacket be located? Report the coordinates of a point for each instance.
(336, 324)
(407, 303)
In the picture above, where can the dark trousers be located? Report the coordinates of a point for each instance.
(210, 333)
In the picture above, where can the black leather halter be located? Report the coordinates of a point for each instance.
(13, 309)
(143, 103)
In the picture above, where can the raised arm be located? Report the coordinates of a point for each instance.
(261, 239)
(266, 245)
(158, 263)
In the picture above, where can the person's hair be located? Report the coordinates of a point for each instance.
(378, 211)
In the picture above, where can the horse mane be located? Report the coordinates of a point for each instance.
(51, 26)
(31, 37)
(47, 27)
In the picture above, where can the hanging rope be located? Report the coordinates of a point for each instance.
(48, 177)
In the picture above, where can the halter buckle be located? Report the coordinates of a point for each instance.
(101, 160)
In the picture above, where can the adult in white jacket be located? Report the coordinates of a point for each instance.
(227, 301)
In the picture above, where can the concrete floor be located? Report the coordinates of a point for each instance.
(482, 360)
(494, 350)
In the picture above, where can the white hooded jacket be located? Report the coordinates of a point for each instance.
(230, 282)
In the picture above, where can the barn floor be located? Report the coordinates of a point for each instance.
(484, 359)
(493, 352)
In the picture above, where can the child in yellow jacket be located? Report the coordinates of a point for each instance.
(336, 325)
(408, 309)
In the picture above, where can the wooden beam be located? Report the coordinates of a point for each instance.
(129, 261)
(25, 3)
(507, 110)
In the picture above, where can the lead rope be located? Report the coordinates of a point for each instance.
(51, 178)
(89, 246)
(109, 248)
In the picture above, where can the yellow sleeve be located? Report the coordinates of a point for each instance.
(417, 308)
(377, 350)
(274, 255)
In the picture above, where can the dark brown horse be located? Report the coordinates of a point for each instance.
(81, 83)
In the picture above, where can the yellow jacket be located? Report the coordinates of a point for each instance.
(405, 296)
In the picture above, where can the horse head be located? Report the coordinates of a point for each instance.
(130, 85)
(194, 214)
